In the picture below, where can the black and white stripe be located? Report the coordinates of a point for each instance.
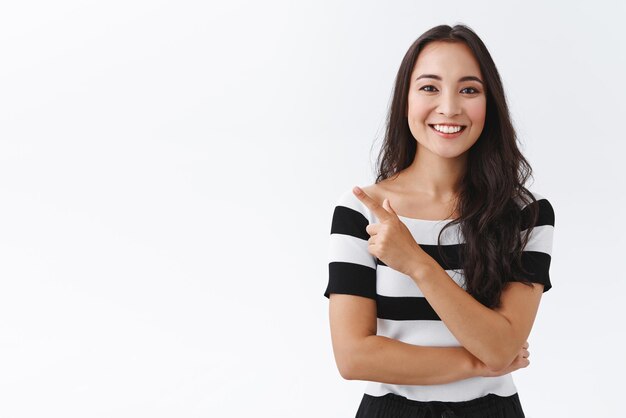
(402, 310)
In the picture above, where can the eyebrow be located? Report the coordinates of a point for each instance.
(466, 78)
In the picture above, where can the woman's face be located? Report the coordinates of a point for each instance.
(446, 94)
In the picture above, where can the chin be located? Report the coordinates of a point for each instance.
(451, 153)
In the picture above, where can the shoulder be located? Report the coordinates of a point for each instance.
(347, 205)
(538, 197)
(545, 209)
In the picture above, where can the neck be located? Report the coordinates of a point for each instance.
(433, 175)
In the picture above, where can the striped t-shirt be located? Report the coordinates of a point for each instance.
(402, 311)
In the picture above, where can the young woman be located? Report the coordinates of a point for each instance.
(437, 269)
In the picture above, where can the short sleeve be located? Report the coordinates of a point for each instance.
(537, 253)
(351, 268)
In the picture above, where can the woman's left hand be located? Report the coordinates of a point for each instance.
(390, 239)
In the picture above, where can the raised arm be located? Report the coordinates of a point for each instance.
(360, 354)
(492, 335)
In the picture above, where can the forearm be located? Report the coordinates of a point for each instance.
(482, 331)
(386, 360)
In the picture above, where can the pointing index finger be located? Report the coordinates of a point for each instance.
(378, 210)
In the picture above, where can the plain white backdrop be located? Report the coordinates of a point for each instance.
(168, 171)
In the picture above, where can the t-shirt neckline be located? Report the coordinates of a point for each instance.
(425, 220)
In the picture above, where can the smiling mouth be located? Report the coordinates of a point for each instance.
(448, 129)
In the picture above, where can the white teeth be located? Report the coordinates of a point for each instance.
(447, 129)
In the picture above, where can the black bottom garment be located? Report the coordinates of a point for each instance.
(392, 405)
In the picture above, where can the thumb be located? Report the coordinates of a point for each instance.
(387, 206)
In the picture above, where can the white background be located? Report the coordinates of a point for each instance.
(168, 171)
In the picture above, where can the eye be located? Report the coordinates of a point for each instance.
(473, 90)
(428, 88)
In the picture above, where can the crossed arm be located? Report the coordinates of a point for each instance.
(493, 341)
(360, 354)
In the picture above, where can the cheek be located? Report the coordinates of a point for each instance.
(477, 111)
(418, 108)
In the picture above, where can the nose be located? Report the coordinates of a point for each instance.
(449, 104)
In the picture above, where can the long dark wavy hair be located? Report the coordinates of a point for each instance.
(490, 219)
